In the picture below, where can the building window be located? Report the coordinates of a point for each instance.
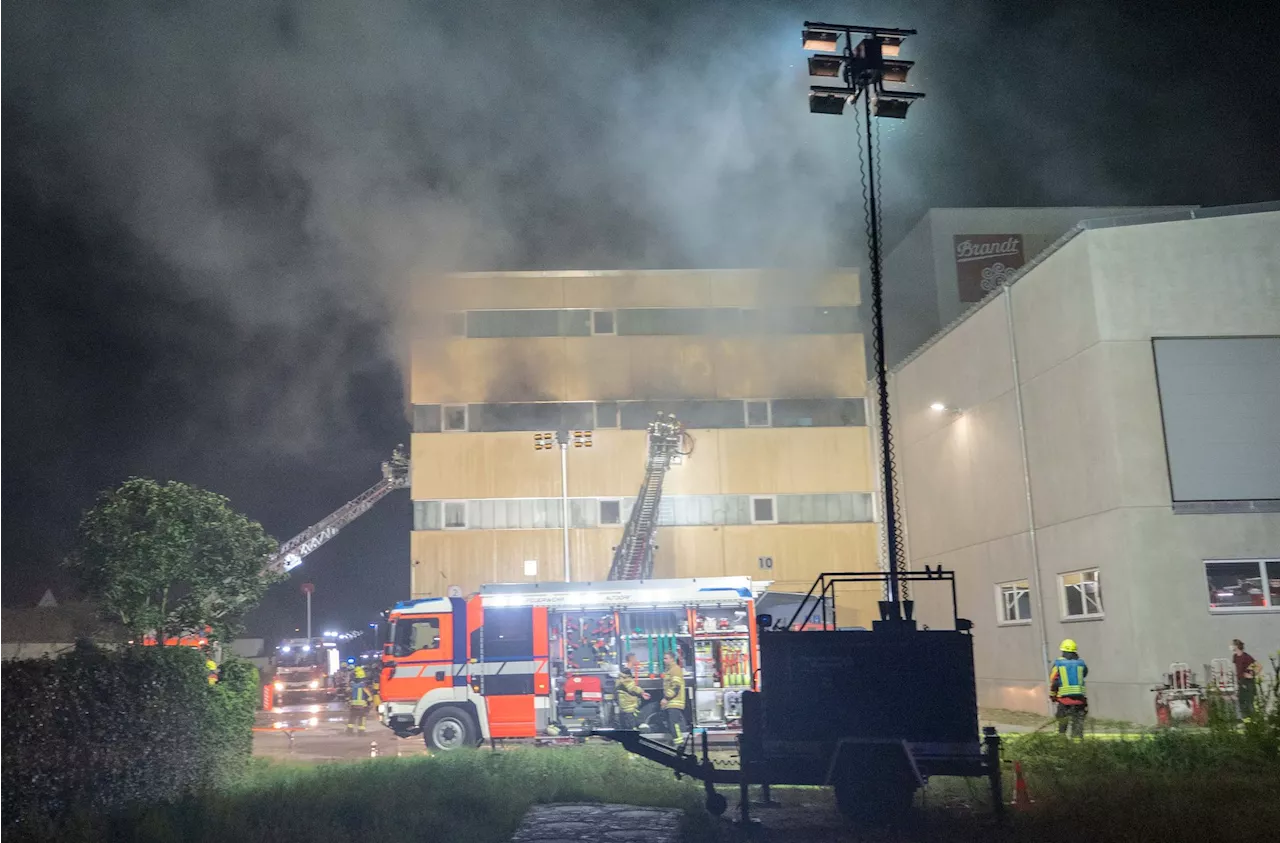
(763, 510)
(455, 417)
(1014, 602)
(455, 515)
(1243, 584)
(1081, 594)
(610, 512)
(757, 413)
(483, 324)
(606, 414)
(602, 322)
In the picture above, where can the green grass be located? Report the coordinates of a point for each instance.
(467, 797)
(1171, 786)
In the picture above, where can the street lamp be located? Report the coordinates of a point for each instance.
(562, 439)
(868, 60)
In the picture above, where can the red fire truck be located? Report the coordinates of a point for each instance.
(536, 660)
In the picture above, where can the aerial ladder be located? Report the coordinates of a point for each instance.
(633, 557)
(395, 475)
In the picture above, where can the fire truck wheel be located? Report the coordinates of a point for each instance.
(448, 728)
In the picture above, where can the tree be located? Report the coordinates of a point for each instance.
(172, 559)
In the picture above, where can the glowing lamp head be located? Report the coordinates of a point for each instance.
(823, 42)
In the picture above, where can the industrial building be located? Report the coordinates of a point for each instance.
(766, 370)
(953, 257)
(1094, 448)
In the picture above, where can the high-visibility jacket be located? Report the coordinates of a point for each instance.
(673, 686)
(627, 691)
(1067, 678)
(360, 696)
(212, 667)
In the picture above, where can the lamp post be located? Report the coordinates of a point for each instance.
(307, 588)
(561, 439)
(867, 60)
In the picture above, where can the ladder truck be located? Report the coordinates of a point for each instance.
(633, 557)
(395, 475)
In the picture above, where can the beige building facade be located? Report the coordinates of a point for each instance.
(764, 368)
(1094, 448)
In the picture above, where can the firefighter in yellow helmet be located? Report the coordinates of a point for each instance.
(358, 701)
(673, 695)
(1067, 689)
(375, 691)
(211, 668)
(629, 693)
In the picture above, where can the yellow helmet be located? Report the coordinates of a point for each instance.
(359, 673)
(1068, 645)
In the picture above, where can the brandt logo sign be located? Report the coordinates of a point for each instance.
(984, 262)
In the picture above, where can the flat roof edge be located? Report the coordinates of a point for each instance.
(616, 273)
(1192, 213)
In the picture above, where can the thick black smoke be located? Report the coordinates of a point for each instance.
(214, 211)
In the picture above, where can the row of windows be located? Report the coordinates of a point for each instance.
(636, 415)
(1234, 585)
(674, 511)
(646, 321)
(1079, 598)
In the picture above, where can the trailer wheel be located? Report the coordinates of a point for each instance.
(448, 728)
(716, 804)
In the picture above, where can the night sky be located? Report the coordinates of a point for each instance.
(213, 210)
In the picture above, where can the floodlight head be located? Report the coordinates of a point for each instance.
(886, 105)
(826, 103)
(820, 40)
(896, 71)
(890, 45)
(825, 65)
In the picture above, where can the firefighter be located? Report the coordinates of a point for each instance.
(211, 668)
(375, 693)
(358, 701)
(673, 695)
(1066, 688)
(629, 693)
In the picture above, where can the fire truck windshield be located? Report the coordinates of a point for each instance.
(412, 634)
(298, 657)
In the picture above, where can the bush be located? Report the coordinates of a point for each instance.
(94, 730)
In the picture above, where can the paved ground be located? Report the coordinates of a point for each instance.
(317, 732)
(598, 824)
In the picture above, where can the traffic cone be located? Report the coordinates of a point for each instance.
(1021, 799)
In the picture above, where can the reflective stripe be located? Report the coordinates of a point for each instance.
(508, 668)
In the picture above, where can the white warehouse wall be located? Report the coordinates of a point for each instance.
(1082, 323)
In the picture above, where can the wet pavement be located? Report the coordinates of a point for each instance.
(598, 824)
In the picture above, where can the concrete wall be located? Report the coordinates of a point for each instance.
(1082, 323)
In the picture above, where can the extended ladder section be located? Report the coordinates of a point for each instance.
(395, 475)
(633, 557)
